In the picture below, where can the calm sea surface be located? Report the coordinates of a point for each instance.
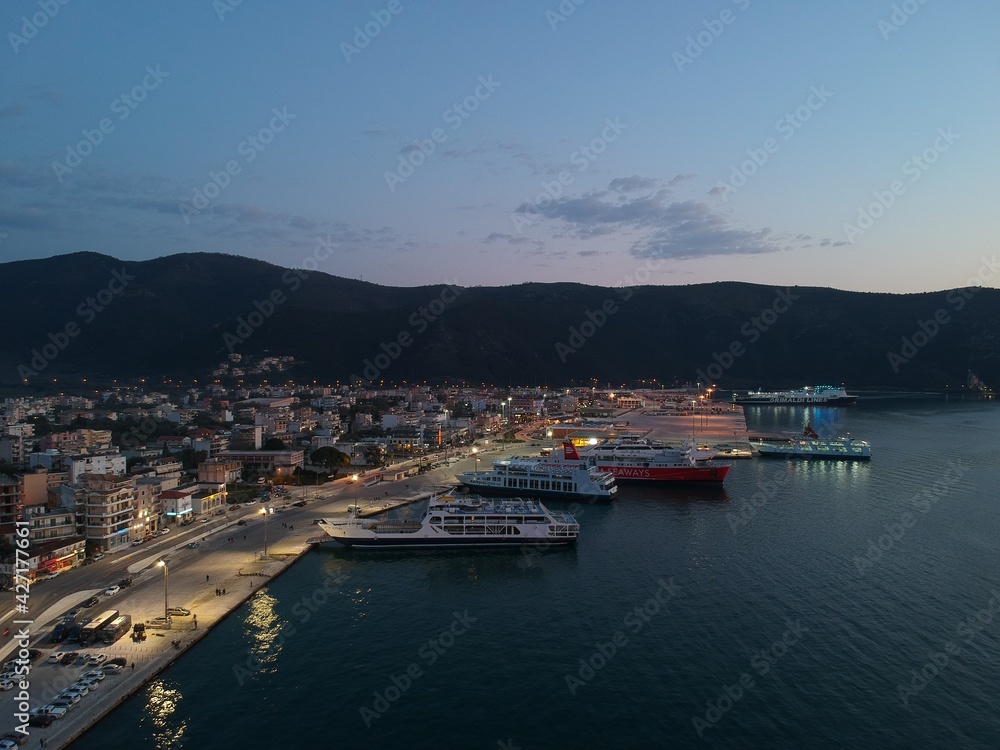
(806, 605)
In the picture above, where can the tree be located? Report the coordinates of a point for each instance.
(274, 444)
(331, 458)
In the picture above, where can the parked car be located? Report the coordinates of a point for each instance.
(66, 703)
(18, 738)
(98, 556)
(53, 711)
(91, 601)
(192, 545)
(56, 657)
(164, 530)
(94, 674)
(50, 576)
(112, 590)
(112, 669)
(97, 659)
(178, 612)
(39, 720)
(89, 683)
(68, 658)
(6, 685)
(71, 697)
(127, 581)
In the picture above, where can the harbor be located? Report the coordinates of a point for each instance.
(209, 572)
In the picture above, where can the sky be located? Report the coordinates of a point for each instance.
(846, 145)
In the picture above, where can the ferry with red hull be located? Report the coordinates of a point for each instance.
(643, 461)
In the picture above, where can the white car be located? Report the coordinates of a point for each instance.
(6, 685)
(113, 669)
(69, 696)
(91, 683)
(97, 659)
(56, 657)
(94, 674)
(112, 590)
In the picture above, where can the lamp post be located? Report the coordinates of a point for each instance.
(354, 480)
(475, 452)
(166, 605)
(264, 512)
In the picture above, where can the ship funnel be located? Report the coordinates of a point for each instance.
(569, 452)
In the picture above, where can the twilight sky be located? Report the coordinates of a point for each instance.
(823, 144)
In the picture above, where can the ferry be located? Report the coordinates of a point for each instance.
(643, 461)
(570, 478)
(836, 449)
(810, 395)
(458, 521)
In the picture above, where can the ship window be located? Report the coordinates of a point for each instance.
(435, 519)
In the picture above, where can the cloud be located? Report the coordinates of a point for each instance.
(26, 218)
(631, 184)
(13, 110)
(670, 229)
(677, 180)
(512, 240)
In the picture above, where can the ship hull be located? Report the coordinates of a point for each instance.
(388, 542)
(485, 489)
(813, 456)
(669, 475)
(841, 401)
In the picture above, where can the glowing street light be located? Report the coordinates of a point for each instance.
(166, 604)
(263, 511)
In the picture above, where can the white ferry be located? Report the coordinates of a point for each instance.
(457, 521)
(837, 449)
(543, 477)
(819, 395)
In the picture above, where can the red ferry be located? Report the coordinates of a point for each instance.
(643, 461)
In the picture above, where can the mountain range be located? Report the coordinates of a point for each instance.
(87, 314)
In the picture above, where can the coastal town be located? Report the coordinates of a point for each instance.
(133, 518)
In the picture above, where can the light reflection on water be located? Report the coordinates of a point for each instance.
(162, 699)
(263, 630)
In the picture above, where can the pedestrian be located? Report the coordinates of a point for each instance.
(244, 537)
(133, 666)
(223, 592)
(195, 621)
(206, 578)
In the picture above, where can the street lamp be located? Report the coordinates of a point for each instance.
(475, 452)
(166, 606)
(264, 512)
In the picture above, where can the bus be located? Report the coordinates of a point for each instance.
(89, 632)
(115, 629)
